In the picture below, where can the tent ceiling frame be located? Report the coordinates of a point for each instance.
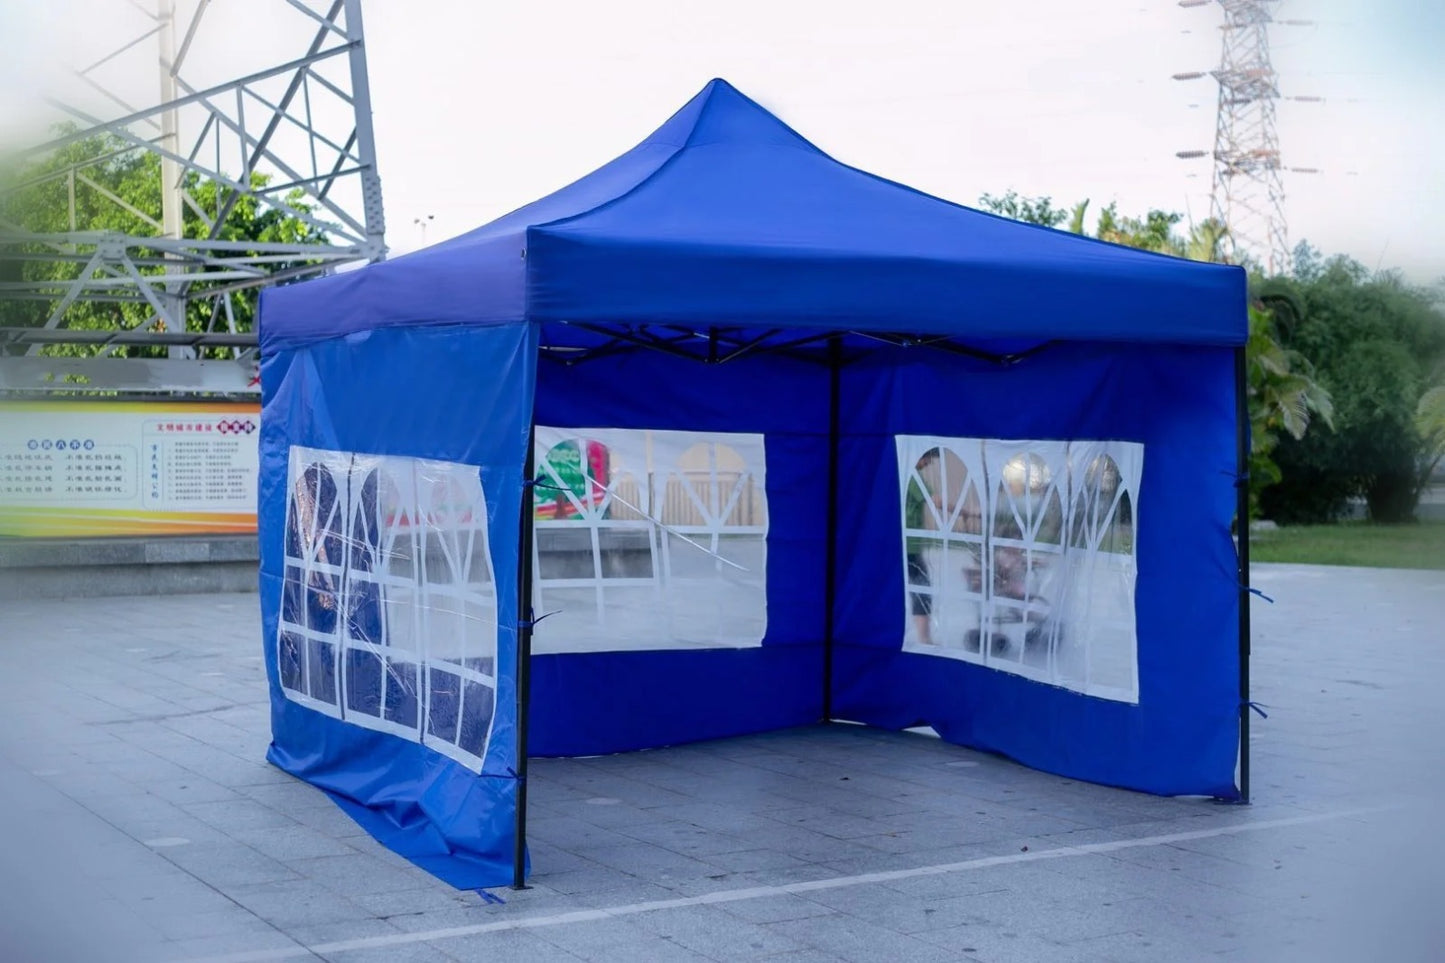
(721, 344)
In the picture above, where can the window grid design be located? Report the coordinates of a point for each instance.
(649, 539)
(1019, 555)
(388, 616)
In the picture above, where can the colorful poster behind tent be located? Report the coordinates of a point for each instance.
(71, 469)
(564, 470)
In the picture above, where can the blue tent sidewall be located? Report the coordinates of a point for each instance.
(1182, 736)
(591, 703)
(445, 393)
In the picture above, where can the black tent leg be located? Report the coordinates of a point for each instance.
(830, 576)
(524, 658)
(1241, 392)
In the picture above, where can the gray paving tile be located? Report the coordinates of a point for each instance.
(442, 918)
(422, 899)
(515, 946)
(140, 751)
(316, 934)
(858, 941)
(776, 909)
(227, 864)
(995, 945)
(222, 944)
(296, 903)
(651, 950)
(354, 873)
(406, 953)
(239, 815)
(290, 842)
(588, 939)
(176, 923)
(711, 931)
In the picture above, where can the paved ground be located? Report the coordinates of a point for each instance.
(141, 824)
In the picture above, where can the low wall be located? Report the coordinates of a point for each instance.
(175, 565)
(68, 568)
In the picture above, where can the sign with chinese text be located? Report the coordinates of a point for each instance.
(72, 469)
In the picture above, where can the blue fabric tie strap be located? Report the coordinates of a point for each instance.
(1258, 707)
(1241, 479)
(1254, 591)
(491, 897)
(532, 623)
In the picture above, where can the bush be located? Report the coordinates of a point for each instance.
(1373, 340)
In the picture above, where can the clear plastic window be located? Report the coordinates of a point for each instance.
(388, 612)
(1019, 555)
(649, 539)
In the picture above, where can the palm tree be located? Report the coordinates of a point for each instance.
(1208, 241)
(1430, 422)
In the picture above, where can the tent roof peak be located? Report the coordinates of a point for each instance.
(722, 114)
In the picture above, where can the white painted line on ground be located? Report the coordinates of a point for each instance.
(165, 841)
(783, 889)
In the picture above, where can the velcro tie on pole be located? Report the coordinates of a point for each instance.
(1241, 479)
(1254, 591)
(1258, 707)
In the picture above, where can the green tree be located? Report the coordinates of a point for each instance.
(1152, 232)
(1430, 423)
(1284, 398)
(1374, 341)
(1031, 210)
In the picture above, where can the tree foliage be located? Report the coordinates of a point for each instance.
(1031, 210)
(1284, 397)
(1375, 342)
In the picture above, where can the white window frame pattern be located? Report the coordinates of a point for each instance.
(1064, 564)
(405, 520)
(714, 522)
(593, 516)
(653, 472)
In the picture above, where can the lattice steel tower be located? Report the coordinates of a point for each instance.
(1248, 189)
(262, 106)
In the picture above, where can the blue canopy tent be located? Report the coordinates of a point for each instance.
(728, 436)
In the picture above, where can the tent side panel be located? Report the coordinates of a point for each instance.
(596, 703)
(391, 486)
(1073, 603)
(661, 655)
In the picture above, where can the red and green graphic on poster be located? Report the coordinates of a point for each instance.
(564, 470)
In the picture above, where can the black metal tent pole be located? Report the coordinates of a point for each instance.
(1241, 484)
(830, 555)
(524, 652)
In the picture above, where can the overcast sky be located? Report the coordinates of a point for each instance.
(481, 106)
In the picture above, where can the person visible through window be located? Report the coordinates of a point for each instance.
(918, 516)
(317, 524)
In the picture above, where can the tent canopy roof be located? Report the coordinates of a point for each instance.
(726, 216)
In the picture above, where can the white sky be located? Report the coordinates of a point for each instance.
(481, 106)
